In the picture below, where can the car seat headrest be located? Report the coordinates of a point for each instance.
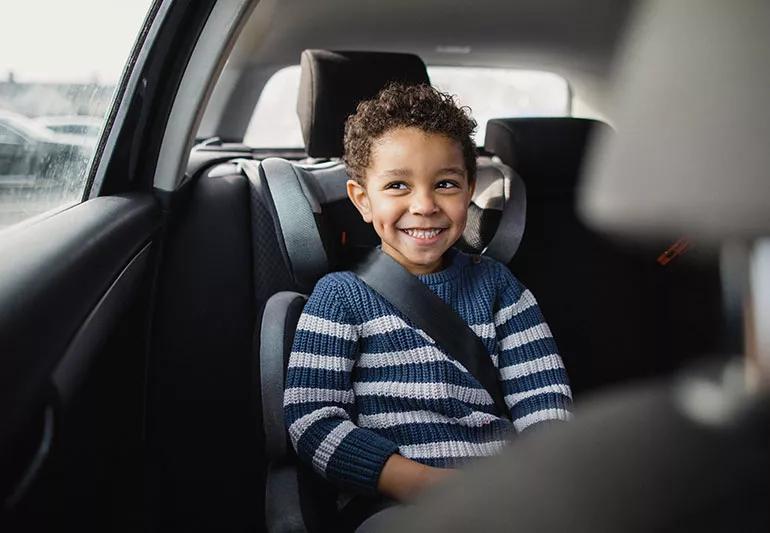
(319, 229)
(547, 152)
(333, 83)
(691, 153)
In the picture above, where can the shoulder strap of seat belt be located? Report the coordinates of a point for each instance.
(510, 230)
(435, 317)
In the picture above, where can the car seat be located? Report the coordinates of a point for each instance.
(318, 231)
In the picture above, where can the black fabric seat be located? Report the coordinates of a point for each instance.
(602, 298)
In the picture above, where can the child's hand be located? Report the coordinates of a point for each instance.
(403, 479)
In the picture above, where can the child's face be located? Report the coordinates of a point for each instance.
(416, 196)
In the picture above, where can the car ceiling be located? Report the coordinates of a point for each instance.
(574, 39)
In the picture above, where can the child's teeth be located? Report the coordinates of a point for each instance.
(423, 234)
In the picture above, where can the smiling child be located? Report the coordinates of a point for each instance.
(371, 402)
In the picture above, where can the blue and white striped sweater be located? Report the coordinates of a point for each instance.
(364, 382)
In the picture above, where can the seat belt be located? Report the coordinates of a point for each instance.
(510, 230)
(435, 317)
(296, 223)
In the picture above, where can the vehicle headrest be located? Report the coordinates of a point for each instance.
(546, 152)
(691, 152)
(333, 83)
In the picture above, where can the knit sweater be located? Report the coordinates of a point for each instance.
(364, 382)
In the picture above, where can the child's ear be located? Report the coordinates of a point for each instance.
(471, 190)
(357, 195)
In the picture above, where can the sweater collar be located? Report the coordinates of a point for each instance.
(454, 261)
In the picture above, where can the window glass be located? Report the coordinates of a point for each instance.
(489, 92)
(274, 123)
(8, 136)
(60, 64)
(497, 93)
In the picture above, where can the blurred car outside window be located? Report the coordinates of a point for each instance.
(59, 68)
(489, 92)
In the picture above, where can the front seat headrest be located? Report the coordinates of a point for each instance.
(546, 151)
(333, 83)
(691, 154)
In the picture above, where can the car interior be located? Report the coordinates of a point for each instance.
(146, 329)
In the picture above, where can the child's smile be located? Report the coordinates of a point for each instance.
(416, 196)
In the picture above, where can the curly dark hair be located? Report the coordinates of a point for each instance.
(397, 106)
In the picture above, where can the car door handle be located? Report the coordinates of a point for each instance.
(37, 461)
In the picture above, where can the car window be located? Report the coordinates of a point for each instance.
(74, 129)
(57, 79)
(489, 92)
(8, 136)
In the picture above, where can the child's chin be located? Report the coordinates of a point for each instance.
(426, 260)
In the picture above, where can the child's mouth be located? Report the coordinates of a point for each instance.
(423, 234)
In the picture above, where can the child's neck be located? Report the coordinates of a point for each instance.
(418, 269)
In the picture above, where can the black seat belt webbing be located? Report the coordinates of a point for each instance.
(435, 317)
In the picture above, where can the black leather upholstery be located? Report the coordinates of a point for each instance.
(332, 84)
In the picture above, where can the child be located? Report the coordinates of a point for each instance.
(371, 402)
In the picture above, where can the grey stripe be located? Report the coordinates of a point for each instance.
(330, 444)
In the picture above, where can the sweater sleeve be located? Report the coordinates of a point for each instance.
(319, 402)
(532, 373)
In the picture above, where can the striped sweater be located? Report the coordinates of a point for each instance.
(363, 382)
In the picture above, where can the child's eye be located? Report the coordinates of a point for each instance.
(396, 185)
(447, 184)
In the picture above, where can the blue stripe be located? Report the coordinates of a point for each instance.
(373, 405)
(317, 377)
(526, 319)
(294, 412)
(528, 352)
(549, 400)
(406, 434)
(308, 341)
(370, 450)
(396, 340)
(433, 372)
(535, 381)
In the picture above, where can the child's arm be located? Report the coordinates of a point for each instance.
(402, 479)
(532, 373)
(319, 400)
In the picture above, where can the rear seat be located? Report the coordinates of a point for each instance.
(223, 259)
(615, 312)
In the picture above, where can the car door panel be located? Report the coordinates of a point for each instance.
(77, 297)
(70, 278)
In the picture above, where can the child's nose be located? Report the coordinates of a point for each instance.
(423, 203)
